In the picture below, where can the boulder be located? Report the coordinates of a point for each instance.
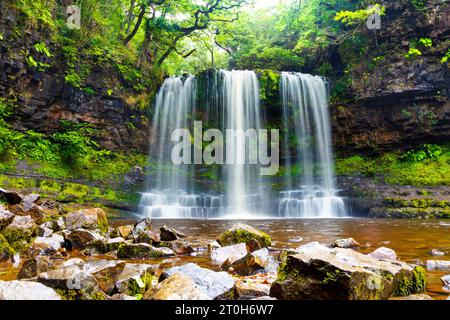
(6, 217)
(92, 277)
(26, 290)
(52, 243)
(242, 233)
(80, 238)
(446, 281)
(349, 243)
(170, 234)
(11, 197)
(106, 245)
(413, 297)
(247, 290)
(6, 251)
(121, 296)
(438, 265)
(89, 219)
(213, 245)
(176, 287)
(142, 251)
(45, 230)
(436, 252)
(257, 261)
(321, 273)
(135, 279)
(140, 226)
(148, 236)
(216, 285)
(384, 254)
(32, 267)
(29, 201)
(20, 231)
(229, 253)
(105, 272)
(181, 247)
(125, 231)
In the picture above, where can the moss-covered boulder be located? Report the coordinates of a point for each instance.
(6, 251)
(20, 232)
(142, 251)
(6, 217)
(106, 245)
(317, 272)
(136, 278)
(89, 219)
(242, 233)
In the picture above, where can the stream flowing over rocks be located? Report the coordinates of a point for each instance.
(78, 255)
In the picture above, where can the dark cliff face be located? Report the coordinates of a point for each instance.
(43, 97)
(398, 103)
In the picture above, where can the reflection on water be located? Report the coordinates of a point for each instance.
(411, 239)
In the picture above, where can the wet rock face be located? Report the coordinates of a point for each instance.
(398, 103)
(318, 272)
(216, 285)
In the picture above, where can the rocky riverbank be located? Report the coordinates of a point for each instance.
(76, 254)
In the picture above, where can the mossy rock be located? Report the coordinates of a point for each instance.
(6, 251)
(242, 233)
(142, 251)
(321, 273)
(20, 233)
(88, 219)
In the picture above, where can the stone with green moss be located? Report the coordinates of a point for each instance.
(142, 251)
(20, 232)
(6, 251)
(242, 233)
(135, 279)
(89, 219)
(319, 272)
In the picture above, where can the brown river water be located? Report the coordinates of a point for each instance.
(411, 239)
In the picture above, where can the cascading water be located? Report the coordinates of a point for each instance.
(305, 102)
(231, 100)
(242, 109)
(171, 192)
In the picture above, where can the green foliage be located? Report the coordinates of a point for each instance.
(418, 4)
(426, 42)
(413, 53)
(446, 57)
(37, 11)
(427, 166)
(350, 18)
(427, 151)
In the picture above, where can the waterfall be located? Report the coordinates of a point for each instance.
(241, 106)
(313, 192)
(231, 100)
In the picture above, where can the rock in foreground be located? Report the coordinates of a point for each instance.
(216, 285)
(26, 290)
(176, 287)
(321, 273)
